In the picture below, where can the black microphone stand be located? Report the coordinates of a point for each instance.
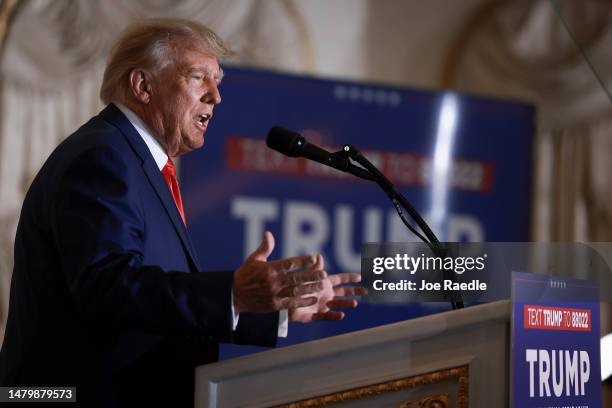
(400, 203)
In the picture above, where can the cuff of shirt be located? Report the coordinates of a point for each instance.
(283, 323)
(283, 320)
(235, 315)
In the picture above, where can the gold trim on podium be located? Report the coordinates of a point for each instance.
(460, 375)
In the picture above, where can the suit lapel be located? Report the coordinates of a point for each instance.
(113, 115)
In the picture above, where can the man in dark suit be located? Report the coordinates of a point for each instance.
(107, 293)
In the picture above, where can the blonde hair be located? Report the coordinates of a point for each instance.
(149, 45)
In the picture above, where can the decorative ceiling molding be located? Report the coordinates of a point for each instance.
(306, 43)
(521, 50)
(456, 50)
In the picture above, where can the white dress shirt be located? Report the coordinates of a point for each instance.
(161, 158)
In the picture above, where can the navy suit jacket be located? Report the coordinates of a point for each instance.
(107, 293)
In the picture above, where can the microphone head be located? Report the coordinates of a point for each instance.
(285, 141)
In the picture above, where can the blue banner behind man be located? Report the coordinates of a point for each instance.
(463, 161)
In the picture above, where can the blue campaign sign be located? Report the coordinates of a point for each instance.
(463, 161)
(555, 342)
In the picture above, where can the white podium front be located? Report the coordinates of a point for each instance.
(453, 359)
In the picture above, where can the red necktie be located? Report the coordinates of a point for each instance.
(169, 173)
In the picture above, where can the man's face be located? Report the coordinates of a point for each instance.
(183, 96)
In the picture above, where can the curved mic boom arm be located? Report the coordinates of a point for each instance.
(400, 203)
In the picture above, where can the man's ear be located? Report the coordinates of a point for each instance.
(140, 85)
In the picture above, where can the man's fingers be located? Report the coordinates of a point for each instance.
(301, 290)
(335, 314)
(311, 275)
(342, 304)
(331, 315)
(340, 278)
(320, 262)
(295, 302)
(264, 250)
(295, 263)
(350, 291)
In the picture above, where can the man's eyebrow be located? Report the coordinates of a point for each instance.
(203, 70)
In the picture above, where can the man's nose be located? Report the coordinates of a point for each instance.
(212, 96)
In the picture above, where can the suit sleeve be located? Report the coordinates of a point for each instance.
(259, 329)
(98, 227)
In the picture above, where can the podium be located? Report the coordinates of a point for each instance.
(459, 359)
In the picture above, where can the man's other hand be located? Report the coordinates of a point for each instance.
(265, 286)
(333, 296)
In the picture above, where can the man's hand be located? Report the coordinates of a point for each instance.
(261, 286)
(327, 298)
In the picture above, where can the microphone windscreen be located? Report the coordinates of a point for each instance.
(285, 141)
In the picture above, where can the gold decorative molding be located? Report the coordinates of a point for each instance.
(459, 374)
(434, 401)
(7, 10)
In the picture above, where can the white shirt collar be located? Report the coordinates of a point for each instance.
(159, 155)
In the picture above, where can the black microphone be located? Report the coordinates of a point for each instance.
(293, 144)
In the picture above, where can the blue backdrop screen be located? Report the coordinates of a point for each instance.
(463, 161)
